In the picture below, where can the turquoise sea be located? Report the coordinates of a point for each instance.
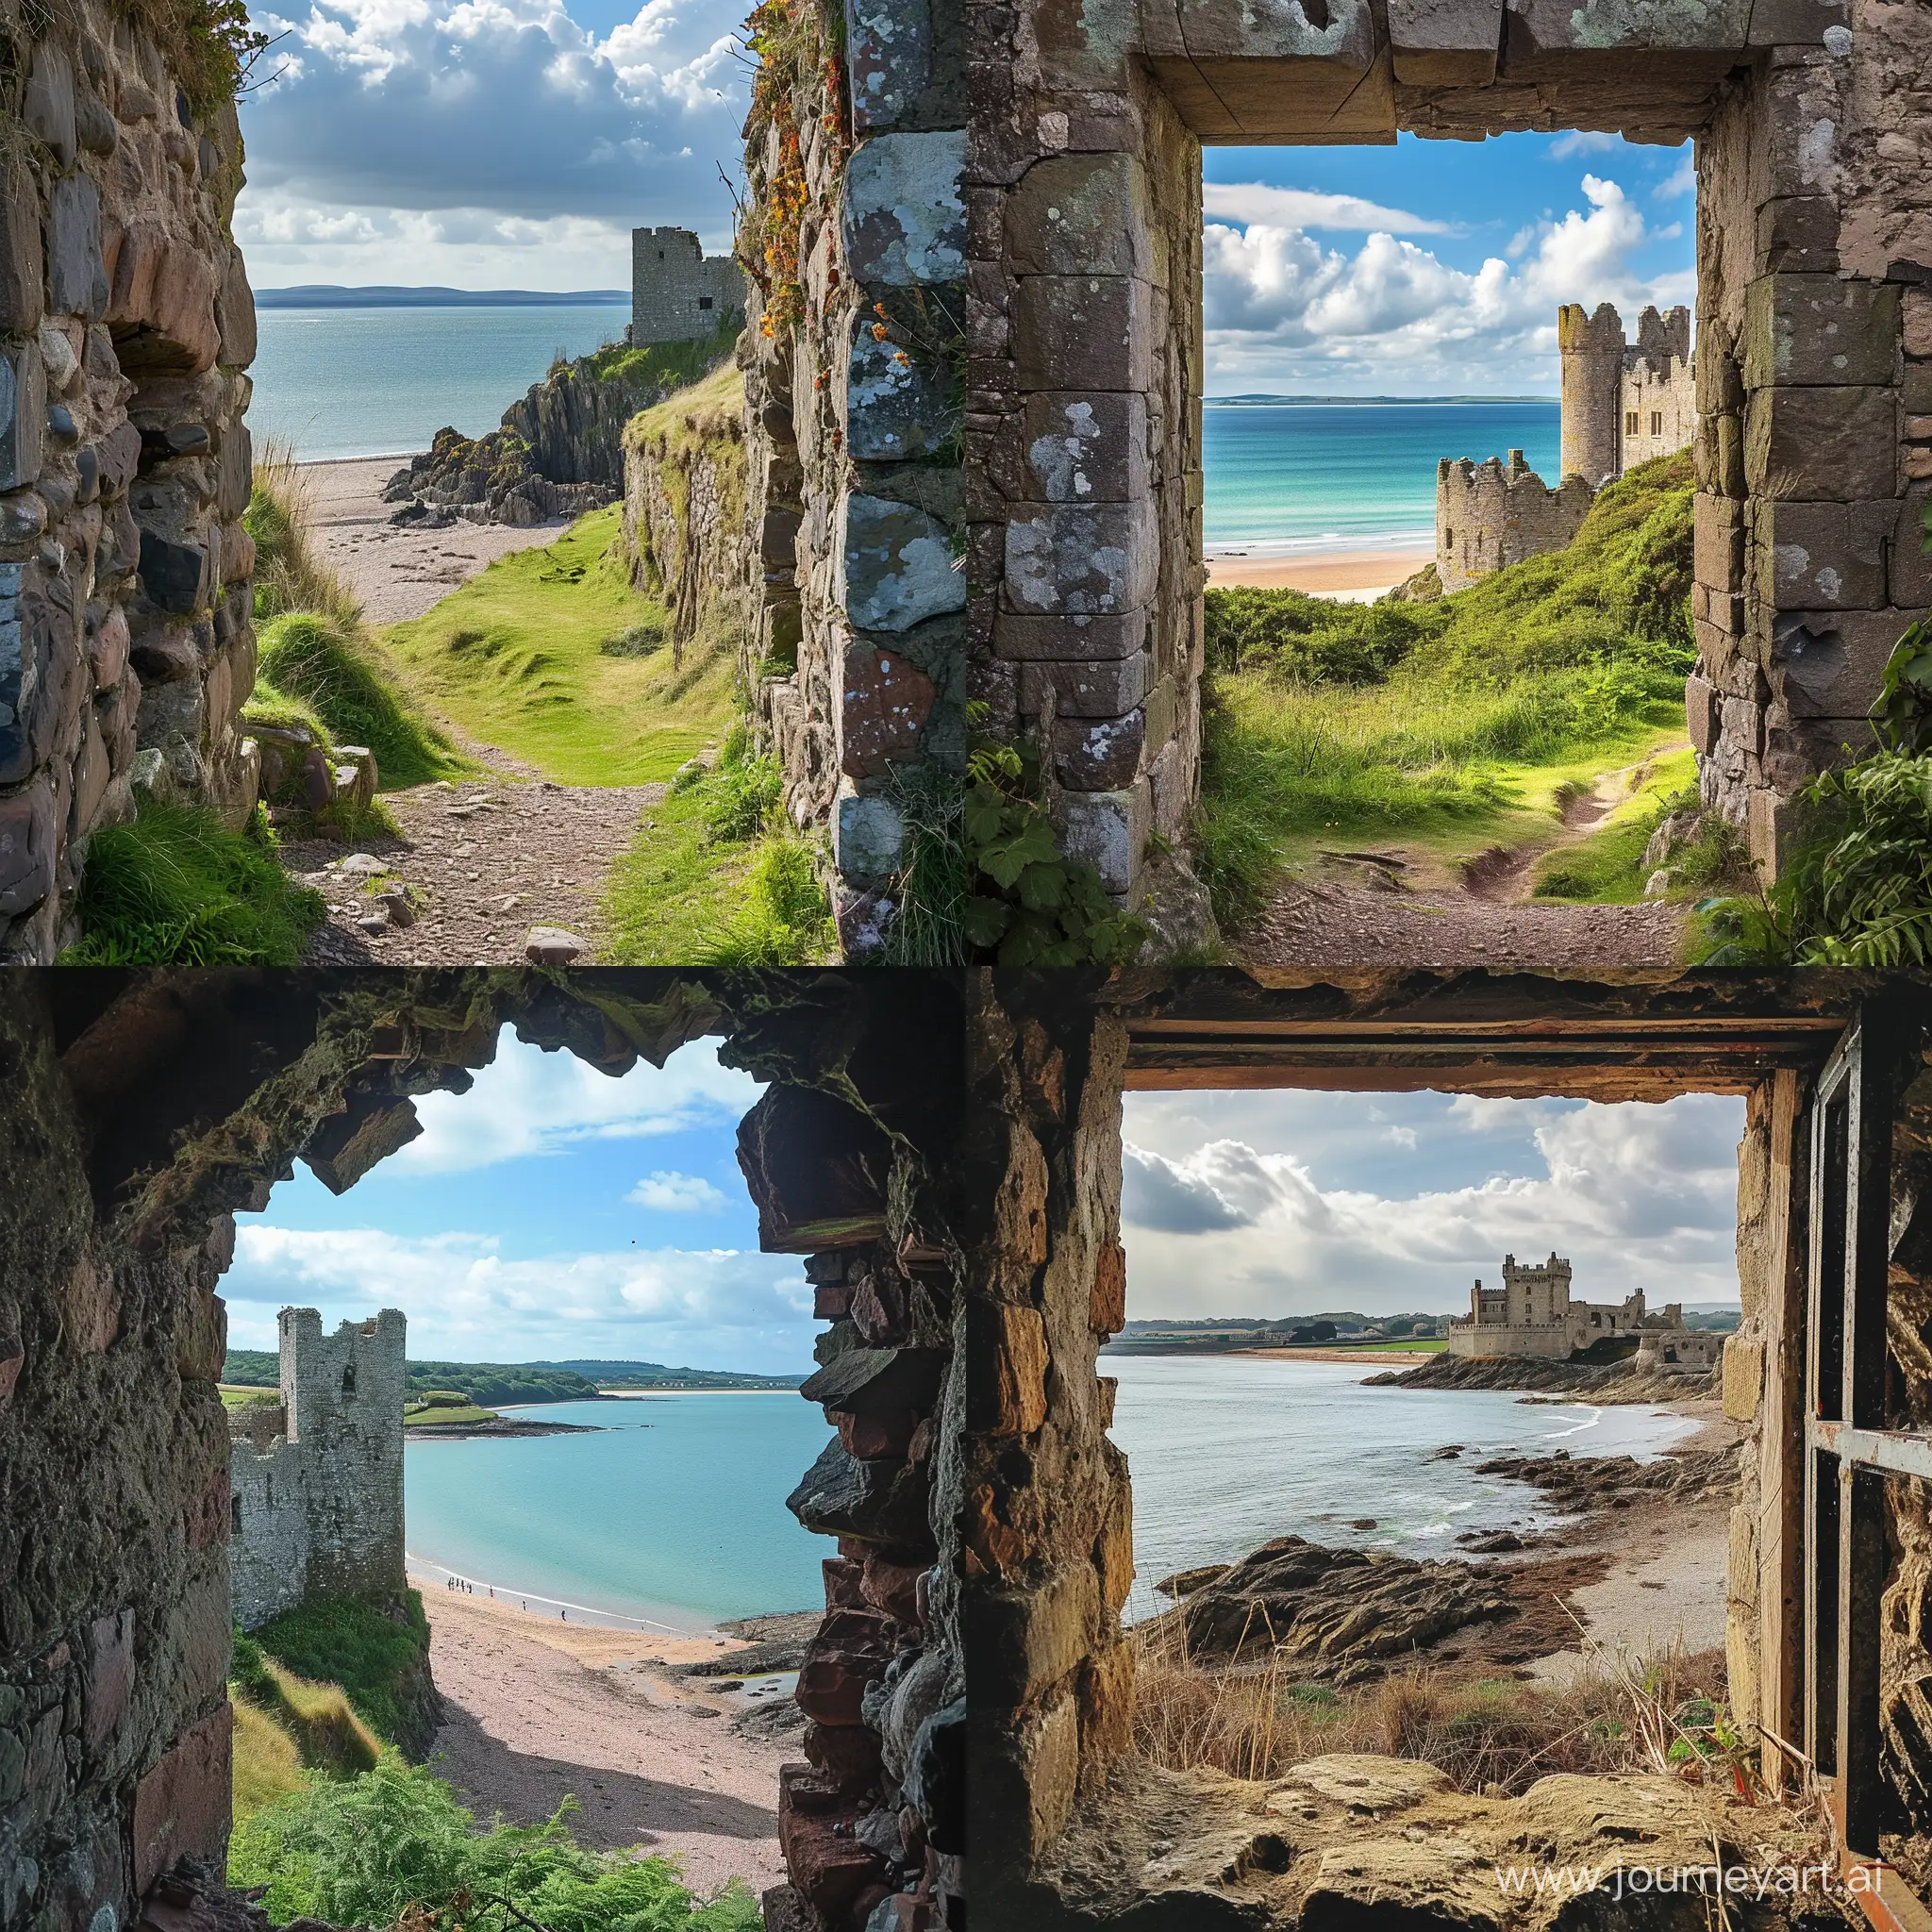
(673, 1514)
(1291, 479)
(380, 382)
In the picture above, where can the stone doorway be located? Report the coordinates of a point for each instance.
(1078, 1832)
(145, 1108)
(1084, 182)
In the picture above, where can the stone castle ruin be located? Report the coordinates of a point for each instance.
(1622, 402)
(678, 293)
(315, 1481)
(1534, 1314)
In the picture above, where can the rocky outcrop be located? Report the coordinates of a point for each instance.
(126, 641)
(1577, 1484)
(1618, 1381)
(1341, 1614)
(484, 479)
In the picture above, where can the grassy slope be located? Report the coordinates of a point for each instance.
(451, 1412)
(1606, 868)
(1448, 726)
(512, 659)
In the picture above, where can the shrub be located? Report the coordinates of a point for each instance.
(783, 920)
(395, 1842)
(176, 887)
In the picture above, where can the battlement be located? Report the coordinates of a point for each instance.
(1534, 1313)
(678, 293)
(1494, 513)
(316, 1482)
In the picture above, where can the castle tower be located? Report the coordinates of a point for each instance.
(1592, 351)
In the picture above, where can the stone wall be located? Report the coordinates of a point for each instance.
(678, 292)
(1489, 515)
(856, 253)
(143, 1109)
(126, 322)
(317, 1506)
(1815, 337)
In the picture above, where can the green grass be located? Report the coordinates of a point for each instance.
(372, 1649)
(448, 1412)
(673, 365)
(176, 887)
(1451, 723)
(315, 667)
(267, 1760)
(714, 879)
(369, 1851)
(1606, 868)
(514, 659)
(247, 1396)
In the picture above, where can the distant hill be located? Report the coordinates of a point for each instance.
(496, 1385)
(330, 295)
(1227, 1335)
(1261, 399)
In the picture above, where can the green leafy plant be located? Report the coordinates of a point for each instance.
(1028, 902)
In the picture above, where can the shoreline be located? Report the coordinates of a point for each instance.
(1326, 573)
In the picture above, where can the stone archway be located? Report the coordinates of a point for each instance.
(1814, 323)
(1063, 1810)
(145, 1109)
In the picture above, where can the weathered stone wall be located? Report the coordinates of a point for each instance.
(686, 527)
(1489, 515)
(1812, 468)
(142, 1111)
(853, 403)
(318, 1509)
(125, 325)
(679, 293)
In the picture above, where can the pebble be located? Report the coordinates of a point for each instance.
(551, 946)
(363, 865)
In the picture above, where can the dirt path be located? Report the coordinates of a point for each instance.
(1369, 907)
(536, 1714)
(485, 864)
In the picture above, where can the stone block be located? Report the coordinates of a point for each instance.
(1101, 754)
(1797, 233)
(894, 565)
(161, 302)
(1322, 37)
(868, 1380)
(1823, 444)
(1701, 713)
(1549, 27)
(885, 701)
(1908, 562)
(1718, 543)
(367, 1130)
(1820, 330)
(1078, 637)
(863, 1500)
(1108, 829)
(77, 276)
(1106, 1300)
(23, 414)
(182, 1805)
(26, 848)
(1085, 448)
(1916, 320)
(1032, 1640)
(1822, 556)
(1743, 1377)
(1007, 1368)
(22, 270)
(1795, 23)
(829, 1867)
(46, 106)
(1050, 1753)
(1829, 665)
(868, 835)
(1083, 332)
(1083, 214)
(905, 222)
(1445, 42)
(1082, 559)
(1741, 725)
(897, 405)
(110, 1675)
(1107, 690)
(887, 57)
(235, 315)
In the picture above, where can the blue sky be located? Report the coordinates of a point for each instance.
(1287, 1203)
(514, 144)
(550, 1211)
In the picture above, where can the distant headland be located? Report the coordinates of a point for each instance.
(329, 295)
(1262, 400)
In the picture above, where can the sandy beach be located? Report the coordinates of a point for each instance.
(535, 1710)
(1343, 570)
(399, 573)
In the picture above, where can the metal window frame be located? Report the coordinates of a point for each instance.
(1849, 1452)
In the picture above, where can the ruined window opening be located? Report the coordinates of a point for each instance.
(349, 1379)
(704, 302)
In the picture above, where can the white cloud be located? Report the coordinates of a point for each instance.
(670, 1193)
(536, 145)
(1282, 308)
(532, 1103)
(1682, 179)
(1306, 207)
(1583, 142)
(1636, 1196)
(466, 1301)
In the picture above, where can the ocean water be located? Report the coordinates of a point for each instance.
(672, 1514)
(369, 382)
(1285, 480)
(1227, 1453)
